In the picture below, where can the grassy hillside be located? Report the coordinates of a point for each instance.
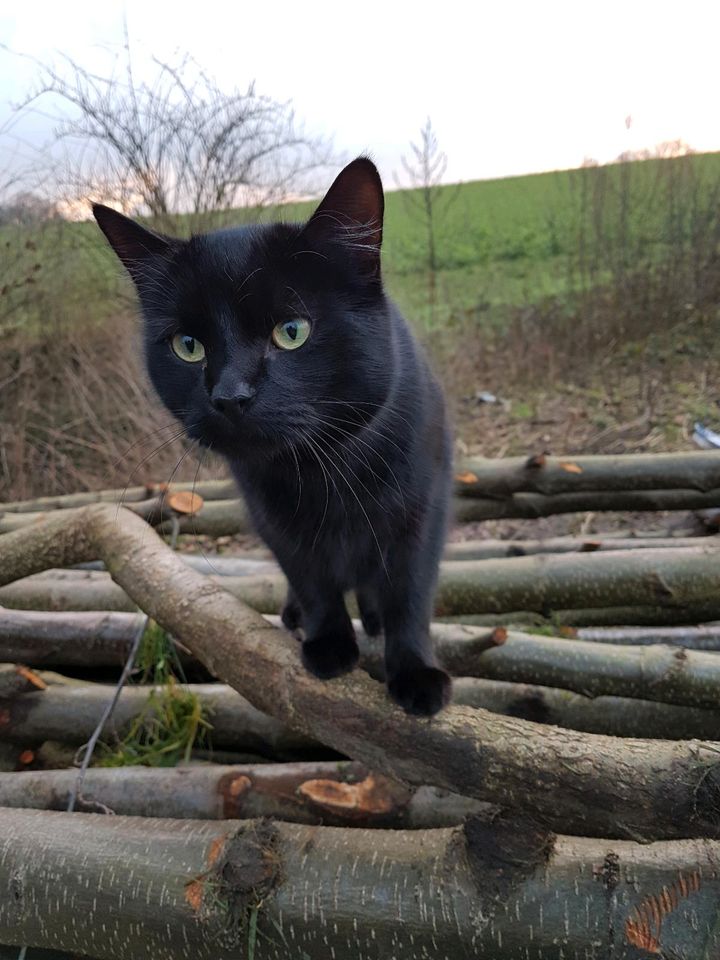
(588, 300)
(501, 243)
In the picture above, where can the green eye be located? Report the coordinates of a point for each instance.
(187, 348)
(291, 334)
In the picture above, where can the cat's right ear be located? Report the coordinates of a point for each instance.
(134, 244)
(351, 213)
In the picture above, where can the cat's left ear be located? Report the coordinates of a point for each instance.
(134, 244)
(351, 213)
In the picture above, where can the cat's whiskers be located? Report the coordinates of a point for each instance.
(371, 429)
(338, 448)
(302, 302)
(179, 463)
(355, 440)
(206, 450)
(359, 501)
(308, 444)
(354, 405)
(165, 443)
(147, 436)
(315, 253)
(291, 448)
(246, 280)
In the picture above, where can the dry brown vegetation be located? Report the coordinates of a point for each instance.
(625, 357)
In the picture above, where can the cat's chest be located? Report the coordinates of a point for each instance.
(349, 515)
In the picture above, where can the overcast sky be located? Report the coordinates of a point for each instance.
(511, 87)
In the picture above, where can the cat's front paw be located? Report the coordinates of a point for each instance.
(420, 690)
(291, 616)
(328, 657)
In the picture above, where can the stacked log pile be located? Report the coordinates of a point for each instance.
(567, 803)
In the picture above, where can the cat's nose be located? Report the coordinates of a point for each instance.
(233, 402)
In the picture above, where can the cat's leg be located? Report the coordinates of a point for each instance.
(368, 599)
(291, 615)
(329, 648)
(414, 678)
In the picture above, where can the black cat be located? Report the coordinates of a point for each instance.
(276, 346)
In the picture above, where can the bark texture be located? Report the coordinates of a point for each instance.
(614, 716)
(68, 639)
(530, 506)
(582, 783)
(656, 672)
(208, 490)
(68, 715)
(497, 549)
(705, 637)
(119, 887)
(698, 471)
(682, 584)
(215, 518)
(71, 713)
(327, 792)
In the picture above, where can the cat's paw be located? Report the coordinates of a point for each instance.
(291, 616)
(420, 690)
(328, 657)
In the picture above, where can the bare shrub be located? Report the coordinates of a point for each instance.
(176, 144)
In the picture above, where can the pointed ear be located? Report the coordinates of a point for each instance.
(351, 213)
(133, 243)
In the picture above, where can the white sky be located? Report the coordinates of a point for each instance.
(511, 87)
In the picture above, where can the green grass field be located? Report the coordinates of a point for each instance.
(500, 243)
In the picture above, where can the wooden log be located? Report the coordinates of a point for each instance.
(86, 638)
(613, 716)
(71, 713)
(328, 792)
(208, 490)
(530, 506)
(704, 637)
(584, 782)
(688, 480)
(221, 890)
(592, 617)
(496, 549)
(214, 519)
(68, 716)
(214, 564)
(66, 639)
(681, 585)
(229, 516)
(658, 672)
(697, 471)
(246, 564)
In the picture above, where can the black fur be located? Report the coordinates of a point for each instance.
(340, 447)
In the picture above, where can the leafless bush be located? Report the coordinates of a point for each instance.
(176, 144)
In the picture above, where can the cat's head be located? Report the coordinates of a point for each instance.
(260, 335)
